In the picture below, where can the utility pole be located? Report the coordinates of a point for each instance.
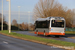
(29, 20)
(9, 15)
(2, 16)
(18, 16)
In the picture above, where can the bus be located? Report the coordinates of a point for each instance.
(50, 26)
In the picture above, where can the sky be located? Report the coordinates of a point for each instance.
(70, 4)
(27, 6)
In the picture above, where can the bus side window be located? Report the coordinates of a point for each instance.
(48, 23)
(35, 24)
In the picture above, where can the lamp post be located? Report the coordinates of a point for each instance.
(18, 16)
(2, 16)
(29, 20)
(9, 15)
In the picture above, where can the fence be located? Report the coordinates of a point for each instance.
(70, 29)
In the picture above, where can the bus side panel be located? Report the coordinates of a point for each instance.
(42, 31)
(50, 33)
(35, 32)
(56, 33)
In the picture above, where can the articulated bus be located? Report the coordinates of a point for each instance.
(50, 26)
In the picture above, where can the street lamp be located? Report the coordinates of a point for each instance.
(9, 15)
(29, 19)
(18, 15)
(2, 16)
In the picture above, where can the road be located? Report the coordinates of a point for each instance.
(62, 38)
(9, 43)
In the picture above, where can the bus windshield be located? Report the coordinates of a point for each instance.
(42, 24)
(57, 23)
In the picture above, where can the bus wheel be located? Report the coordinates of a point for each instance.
(45, 35)
(57, 36)
(37, 34)
(48, 35)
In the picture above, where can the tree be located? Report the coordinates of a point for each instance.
(72, 17)
(48, 8)
(32, 27)
(24, 26)
(4, 22)
(14, 22)
(1, 18)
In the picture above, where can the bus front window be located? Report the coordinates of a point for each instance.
(57, 23)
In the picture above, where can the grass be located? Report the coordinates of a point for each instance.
(51, 41)
(70, 32)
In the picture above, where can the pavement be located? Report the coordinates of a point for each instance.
(9, 43)
(62, 38)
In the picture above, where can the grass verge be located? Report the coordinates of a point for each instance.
(47, 41)
(70, 32)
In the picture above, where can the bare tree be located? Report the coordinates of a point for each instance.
(14, 22)
(72, 19)
(48, 8)
(4, 22)
(1, 18)
(32, 27)
(24, 26)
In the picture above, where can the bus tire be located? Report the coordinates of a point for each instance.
(38, 34)
(46, 35)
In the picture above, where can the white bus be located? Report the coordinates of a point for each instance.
(50, 26)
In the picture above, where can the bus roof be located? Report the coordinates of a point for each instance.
(50, 18)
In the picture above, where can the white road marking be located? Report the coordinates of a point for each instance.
(5, 42)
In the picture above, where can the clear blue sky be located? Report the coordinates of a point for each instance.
(68, 3)
(28, 5)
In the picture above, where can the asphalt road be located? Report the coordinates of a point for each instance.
(9, 43)
(62, 38)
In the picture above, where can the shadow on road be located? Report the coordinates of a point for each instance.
(69, 35)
